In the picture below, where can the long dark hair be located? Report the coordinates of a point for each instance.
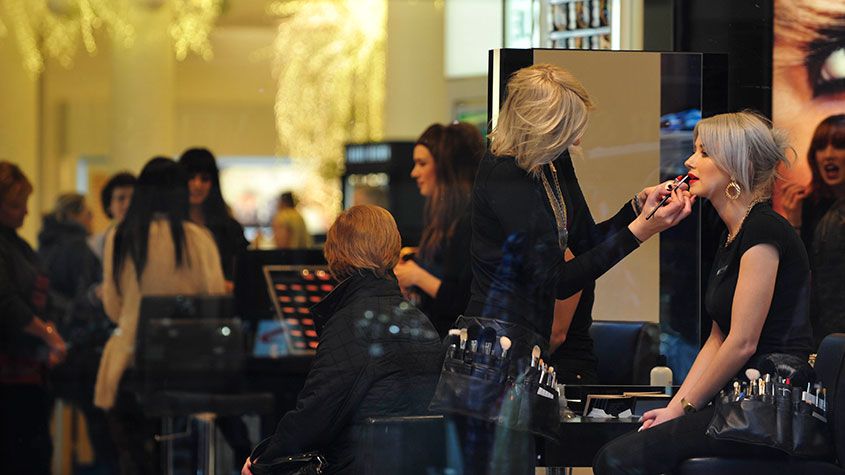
(457, 149)
(830, 131)
(161, 189)
(201, 160)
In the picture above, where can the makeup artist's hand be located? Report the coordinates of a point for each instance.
(247, 470)
(656, 417)
(643, 195)
(678, 207)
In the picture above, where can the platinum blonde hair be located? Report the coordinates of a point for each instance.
(545, 112)
(746, 147)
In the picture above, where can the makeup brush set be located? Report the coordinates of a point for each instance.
(768, 410)
(490, 375)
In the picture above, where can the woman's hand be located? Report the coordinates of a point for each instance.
(247, 469)
(410, 274)
(407, 273)
(792, 197)
(55, 344)
(678, 207)
(659, 416)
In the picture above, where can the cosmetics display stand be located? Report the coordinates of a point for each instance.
(293, 289)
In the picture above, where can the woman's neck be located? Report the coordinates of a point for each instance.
(197, 215)
(733, 212)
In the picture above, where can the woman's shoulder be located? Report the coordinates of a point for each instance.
(765, 226)
(194, 231)
(763, 218)
(500, 166)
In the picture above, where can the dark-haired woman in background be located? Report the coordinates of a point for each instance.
(155, 250)
(818, 213)
(208, 208)
(445, 161)
(804, 205)
(115, 198)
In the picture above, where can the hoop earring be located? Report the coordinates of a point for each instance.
(733, 190)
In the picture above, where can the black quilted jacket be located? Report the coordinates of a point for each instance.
(378, 356)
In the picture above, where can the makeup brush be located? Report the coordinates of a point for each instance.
(535, 356)
(472, 333)
(454, 338)
(678, 182)
(753, 375)
(505, 343)
(463, 338)
(487, 339)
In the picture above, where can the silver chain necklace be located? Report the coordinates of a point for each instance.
(558, 206)
(751, 206)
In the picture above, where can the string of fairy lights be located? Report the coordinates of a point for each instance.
(56, 28)
(329, 61)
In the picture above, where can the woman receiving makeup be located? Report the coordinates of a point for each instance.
(757, 294)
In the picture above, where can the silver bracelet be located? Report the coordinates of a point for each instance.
(635, 204)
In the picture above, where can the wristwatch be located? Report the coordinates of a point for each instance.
(689, 408)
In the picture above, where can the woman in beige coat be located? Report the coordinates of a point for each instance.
(155, 250)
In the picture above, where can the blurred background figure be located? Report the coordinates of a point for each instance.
(818, 213)
(289, 231)
(62, 244)
(75, 274)
(155, 250)
(114, 198)
(446, 158)
(29, 344)
(208, 209)
(804, 206)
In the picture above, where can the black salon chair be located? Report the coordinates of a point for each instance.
(414, 445)
(626, 351)
(830, 369)
(189, 363)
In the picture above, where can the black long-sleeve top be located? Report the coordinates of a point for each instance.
(517, 264)
(452, 266)
(229, 237)
(378, 356)
(23, 295)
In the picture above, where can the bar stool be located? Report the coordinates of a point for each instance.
(191, 365)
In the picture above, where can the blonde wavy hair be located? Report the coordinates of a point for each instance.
(364, 237)
(545, 112)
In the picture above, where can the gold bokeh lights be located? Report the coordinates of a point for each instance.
(330, 67)
(55, 28)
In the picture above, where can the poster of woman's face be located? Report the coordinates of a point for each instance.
(808, 97)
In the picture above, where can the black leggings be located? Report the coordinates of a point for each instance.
(662, 448)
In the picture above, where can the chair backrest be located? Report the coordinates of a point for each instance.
(830, 369)
(412, 445)
(191, 343)
(626, 351)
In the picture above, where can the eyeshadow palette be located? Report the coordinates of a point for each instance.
(293, 290)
